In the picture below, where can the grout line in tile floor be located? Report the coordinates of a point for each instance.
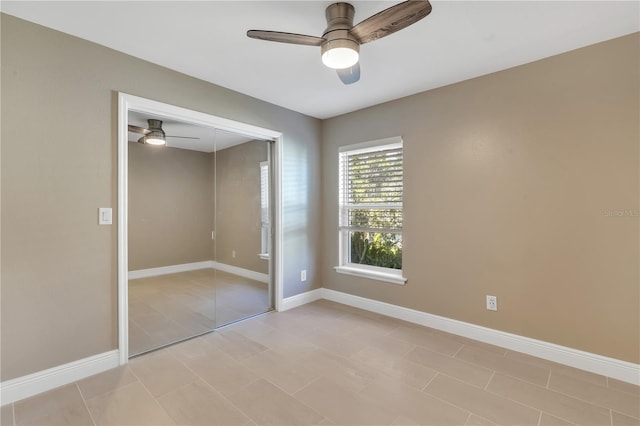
(84, 401)
(493, 373)
(548, 379)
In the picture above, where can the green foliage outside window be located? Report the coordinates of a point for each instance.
(376, 249)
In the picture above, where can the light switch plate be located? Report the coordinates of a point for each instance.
(104, 216)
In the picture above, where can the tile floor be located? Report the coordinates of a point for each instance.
(169, 308)
(325, 363)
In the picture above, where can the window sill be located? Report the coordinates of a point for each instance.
(264, 256)
(374, 275)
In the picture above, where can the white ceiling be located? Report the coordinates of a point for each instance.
(207, 139)
(458, 41)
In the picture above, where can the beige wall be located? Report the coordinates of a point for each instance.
(507, 180)
(508, 177)
(238, 216)
(170, 206)
(59, 151)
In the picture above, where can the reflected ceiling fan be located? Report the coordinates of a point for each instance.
(340, 42)
(154, 135)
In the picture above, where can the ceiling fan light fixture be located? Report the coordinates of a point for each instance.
(156, 135)
(154, 140)
(340, 54)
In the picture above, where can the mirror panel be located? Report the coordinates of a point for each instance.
(184, 227)
(242, 230)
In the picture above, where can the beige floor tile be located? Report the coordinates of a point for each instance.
(254, 327)
(192, 348)
(367, 325)
(129, 405)
(473, 343)
(559, 368)
(509, 366)
(334, 342)
(426, 338)
(389, 347)
(337, 325)
(623, 386)
(397, 367)
(234, 344)
(225, 374)
(619, 419)
(346, 372)
(482, 403)
(289, 345)
(265, 403)
(160, 372)
(106, 382)
(61, 406)
(461, 370)
(549, 401)
(288, 375)
(6, 415)
(342, 406)
(404, 421)
(474, 420)
(621, 402)
(413, 404)
(290, 322)
(199, 404)
(549, 420)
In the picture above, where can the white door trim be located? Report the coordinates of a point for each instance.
(128, 102)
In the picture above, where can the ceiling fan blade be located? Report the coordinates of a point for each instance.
(350, 75)
(391, 20)
(280, 37)
(182, 137)
(136, 129)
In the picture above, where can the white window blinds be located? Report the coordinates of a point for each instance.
(371, 187)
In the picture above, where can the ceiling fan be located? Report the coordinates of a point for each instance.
(154, 135)
(340, 42)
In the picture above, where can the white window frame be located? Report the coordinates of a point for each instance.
(390, 275)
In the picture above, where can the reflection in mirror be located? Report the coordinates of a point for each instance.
(193, 204)
(242, 230)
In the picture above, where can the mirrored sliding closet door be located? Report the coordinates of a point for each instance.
(199, 230)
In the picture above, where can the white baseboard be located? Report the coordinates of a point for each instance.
(171, 269)
(300, 299)
(610, 367)
(207, 264)
(42, 381)
(246, 273)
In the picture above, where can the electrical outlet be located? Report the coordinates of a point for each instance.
(492, 303)
(233, 254)
(303, 275)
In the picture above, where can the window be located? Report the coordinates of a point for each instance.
(370, 210)
(264, 210)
